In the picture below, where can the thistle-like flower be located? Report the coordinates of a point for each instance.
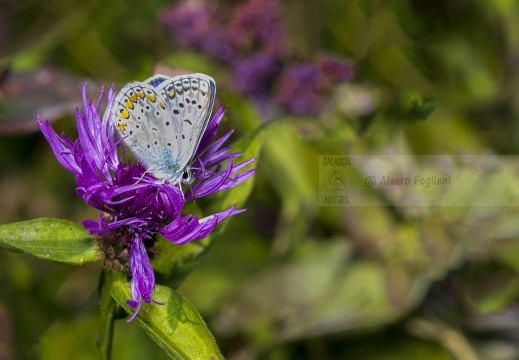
(134, 206)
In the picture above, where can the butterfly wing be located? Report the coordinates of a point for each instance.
(190, 99)
(143, 120)
(163, 119)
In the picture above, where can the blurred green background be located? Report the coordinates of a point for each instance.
(287, 279)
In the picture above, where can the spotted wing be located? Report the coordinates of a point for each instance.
(143, 120)
(190, 99)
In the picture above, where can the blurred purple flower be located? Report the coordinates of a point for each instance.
(255, 76)
(191, 25)
(257, 25)
(301, 87)
(297, 90)
(335, 71)
(251, 39)
(134, 211)
(189, 22)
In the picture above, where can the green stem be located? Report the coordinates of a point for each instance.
(106, 317)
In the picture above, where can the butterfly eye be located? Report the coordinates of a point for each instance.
(185, 175)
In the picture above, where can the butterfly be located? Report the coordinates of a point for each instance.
(162, 120)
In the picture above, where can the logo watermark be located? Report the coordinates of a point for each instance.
(417, 180)
(410, 180)
(335, 180)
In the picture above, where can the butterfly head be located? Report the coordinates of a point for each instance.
(187, 176)
(172, 175)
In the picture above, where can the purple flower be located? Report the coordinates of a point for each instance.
(297, 90)
(192, 26)
(208, 163)
(134, 206)
(254, 76)
(335, 71)
(301, 86)
(257, 24)
(189, 22)
(251, 39)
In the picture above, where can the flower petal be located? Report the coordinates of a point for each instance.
(143, 277)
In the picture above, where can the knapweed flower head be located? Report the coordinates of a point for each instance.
(135, 206)
(251, 40)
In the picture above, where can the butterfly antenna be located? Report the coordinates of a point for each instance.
(225, 177)
(142, 177)
(214, 173)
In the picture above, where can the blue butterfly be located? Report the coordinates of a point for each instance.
(162, 119)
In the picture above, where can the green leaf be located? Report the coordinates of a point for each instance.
(50, 239)
(418, 107)
(176, 262)
(337, 294)
(176, 326)
(292, 171)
